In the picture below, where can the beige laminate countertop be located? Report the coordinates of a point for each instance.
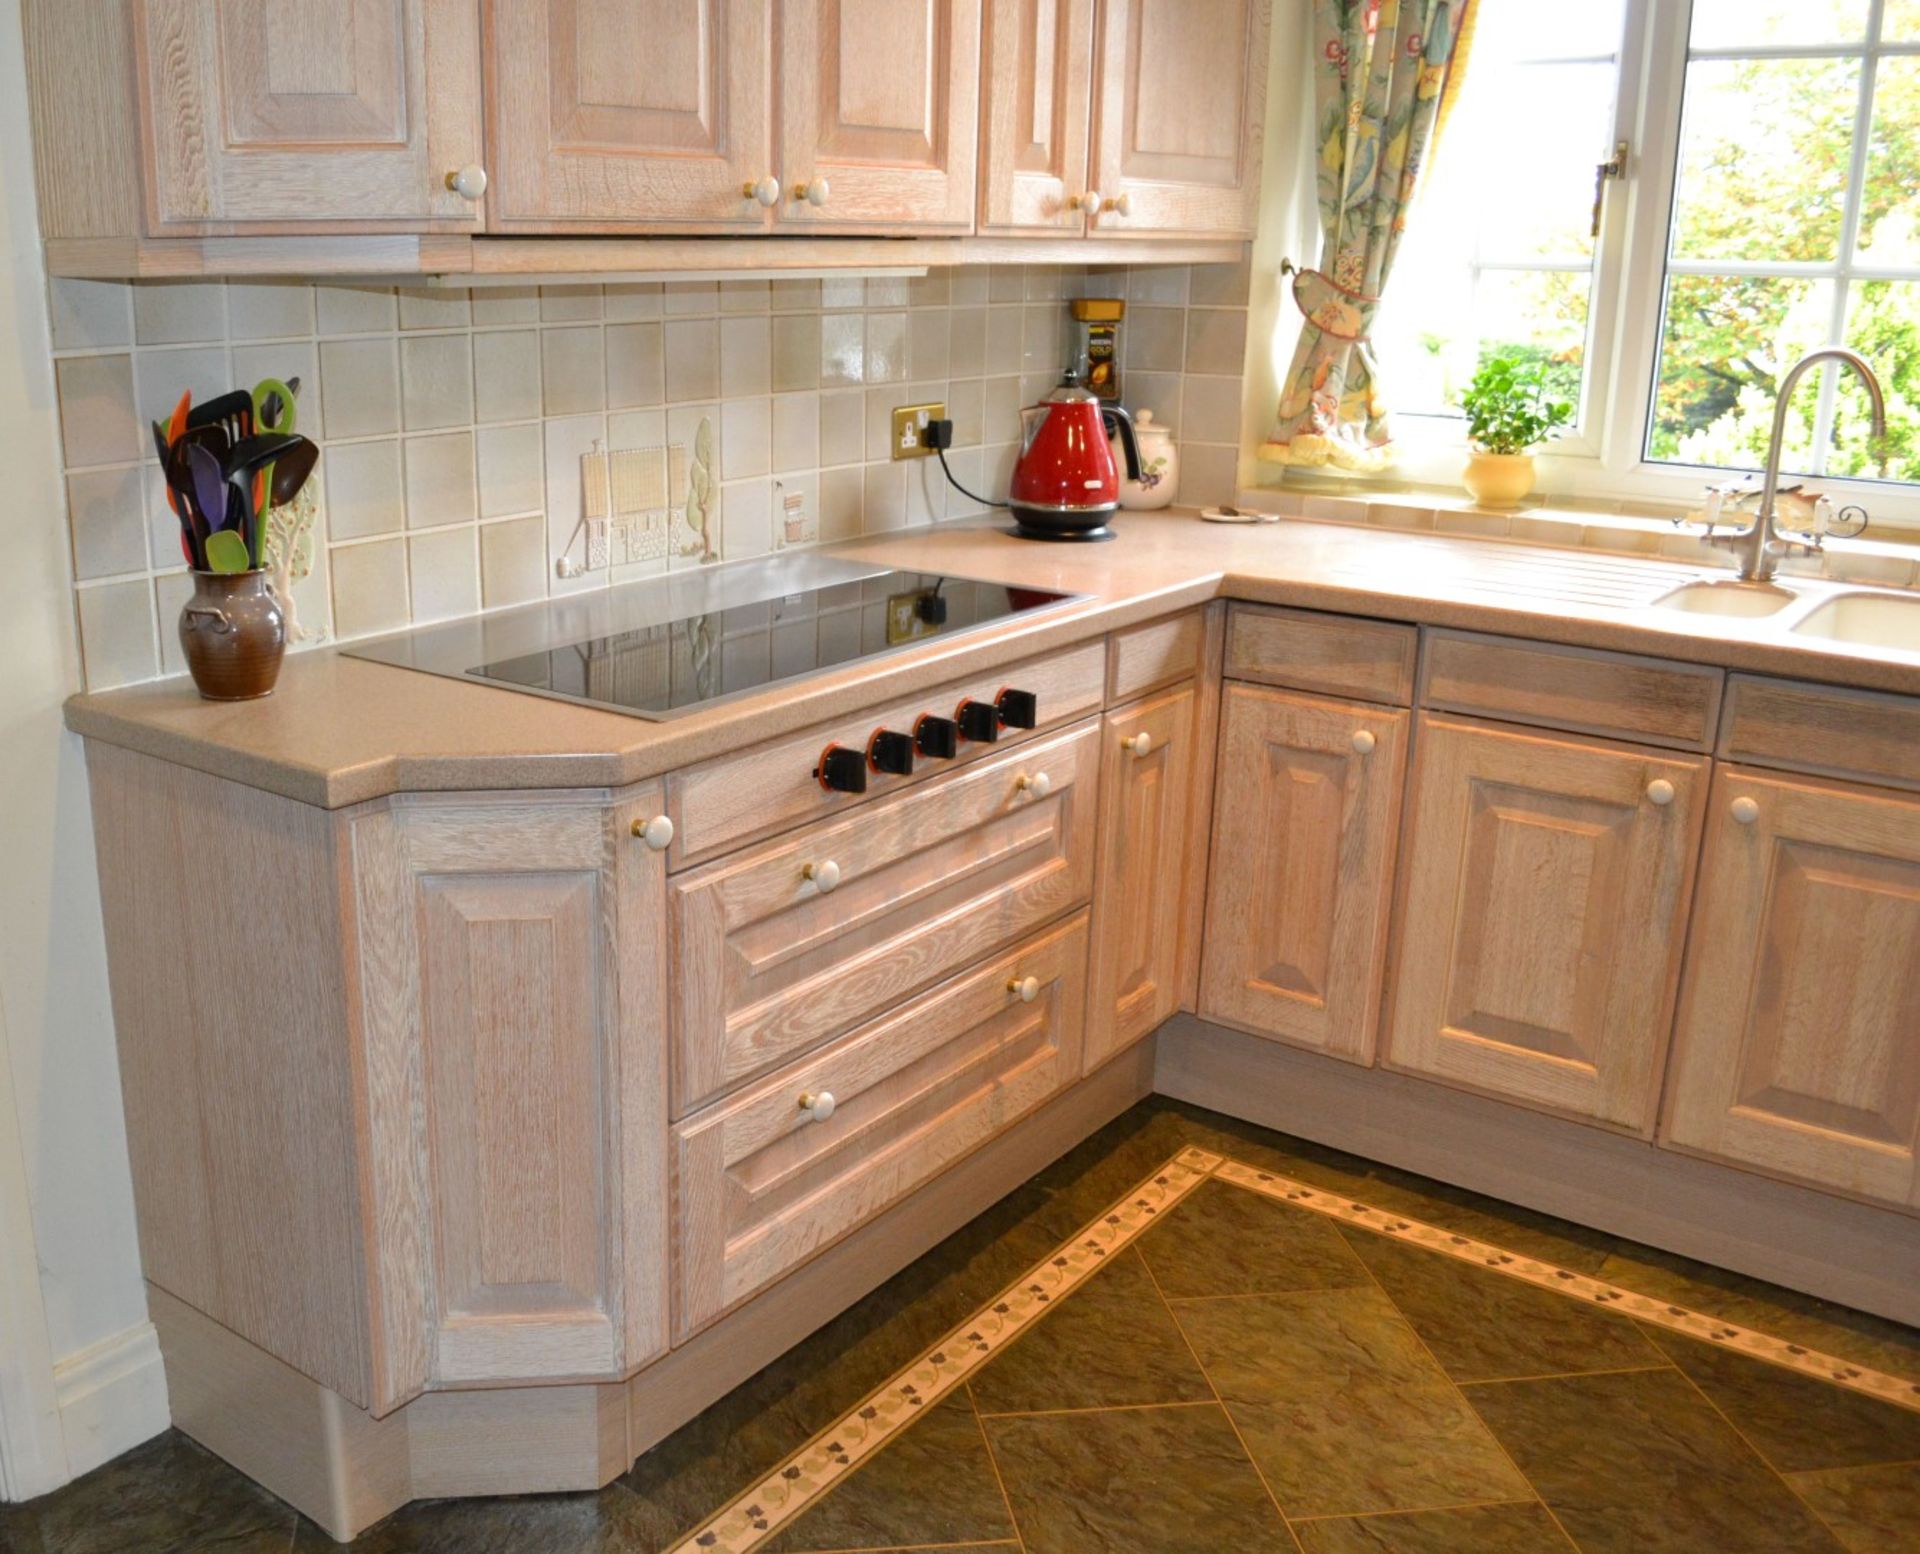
(341, 730)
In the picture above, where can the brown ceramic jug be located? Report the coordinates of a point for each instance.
(234, 635)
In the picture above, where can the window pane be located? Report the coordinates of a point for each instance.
(1883, 325)
(1509, 30)
(1724, 24)
(1726, 343)
(1764, 159)
(1890, 208)
(1901, 23)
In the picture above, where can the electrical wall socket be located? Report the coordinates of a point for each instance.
(910, 428)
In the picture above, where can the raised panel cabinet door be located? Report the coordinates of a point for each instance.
(1541, 914)
(298, 112)
(513, 957)
(1180, 94)
(1306, 815)
(611, 114)
(1144, 875)
(879, 114)
(1036, 61)
(1797, 1047)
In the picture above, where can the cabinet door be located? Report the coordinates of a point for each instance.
(1797, 1048)
(1144, 874)
(608, 114)
(298, 112)
(1306, 810)
(879, 113)
(1037, 60)
(514, 970)
(1541, 913)
(1179, 103)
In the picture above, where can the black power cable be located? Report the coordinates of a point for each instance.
(939, 437)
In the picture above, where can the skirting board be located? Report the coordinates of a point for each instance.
(346, 1469)
(112, 1396)
(1831, 1247)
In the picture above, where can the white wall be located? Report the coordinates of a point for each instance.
(62, 1138)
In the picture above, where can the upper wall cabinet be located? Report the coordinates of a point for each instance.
(606, 113)
(1179, 111)
(879, 114)
(307, 111)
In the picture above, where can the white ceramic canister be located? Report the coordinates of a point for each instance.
(1159, 480)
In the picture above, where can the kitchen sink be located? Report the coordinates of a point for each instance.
(1870, 620)
(1748, 600)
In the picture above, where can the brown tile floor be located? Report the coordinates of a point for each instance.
(1247, 1375)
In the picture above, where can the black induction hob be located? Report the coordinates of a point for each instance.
(661, 648)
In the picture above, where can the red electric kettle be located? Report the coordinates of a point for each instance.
(1065, 486)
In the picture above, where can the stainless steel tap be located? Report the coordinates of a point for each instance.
(1761, 545)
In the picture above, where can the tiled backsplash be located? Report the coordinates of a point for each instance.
(452, 422)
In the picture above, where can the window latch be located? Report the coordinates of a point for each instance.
(1616, 168)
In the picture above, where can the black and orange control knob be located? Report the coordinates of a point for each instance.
(978, 720)
(842, 769)
(1017, 709)
(936, 737)
(891, 753)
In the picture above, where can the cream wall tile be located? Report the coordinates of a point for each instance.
(926, 492)
(1005, 339)
(360, 387)
(97, 420)
(927, 337)
(843, 437)
(628, 301)
(573, 370)
(932, 290)
(117, 633)
(567, 440)
(170, 596)
(434, 307)
(90, 315)
(1159, 392)
(967, 352)
(841, 492)
(970, 469)
(285, 360)
(794, 295)
(1220, 285)
(884, 500)
(1000, 409)
(683, 299)
(446, 573)
(513, 562)
(637, 429)
(440, 480)
(795, 349)
(636, 366)
(505, 305)
(108, 512)
(1007, 283)
(436, 381)
(966, 401)
(745, 434)
(570, 304)
(843, 348)
(1153, 339)
(1043, 337)
(362, 485)
(1216, 340)
(512, 476)
(970, 286)
(745, 356)
(880, 405)
(1043, 283)
(1165, 284)
(1206, 474)
(1210, 409)
(160, 376)
(744, 296)
(353, 310)
(506, 375)
(842, 291)
(746, 515)
(796, 432)
(693, 359)
(179, 312)
(369, 587)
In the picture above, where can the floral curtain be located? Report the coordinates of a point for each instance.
(1382, 73)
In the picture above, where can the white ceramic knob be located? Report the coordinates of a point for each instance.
(766, 191)
(814, 192)
(1088, 201)
(1037, 784)
(1122, 206)
(1026, 989)
(1363, 741)
(657, 833)
(818, 1105)
(469, 182)
(824, 875)
(1746, 810)
(1660, 792)
(1140, 744)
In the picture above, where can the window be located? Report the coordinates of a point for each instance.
(1772, 204)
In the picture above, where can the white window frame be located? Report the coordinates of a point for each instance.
(1605, 456)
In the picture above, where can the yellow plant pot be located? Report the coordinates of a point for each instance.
(1498, 479)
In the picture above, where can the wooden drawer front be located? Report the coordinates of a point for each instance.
(1540, 917)
(1303, 848)
(1822, 729)
(741, 797)
(1797, 1048)
(770, 966)
(1156, 654)
(762, 1186)
(1337, 655)
(1589, 692)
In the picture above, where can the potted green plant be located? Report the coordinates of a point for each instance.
(1509, 413)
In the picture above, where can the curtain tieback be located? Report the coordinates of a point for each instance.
(1330, 307)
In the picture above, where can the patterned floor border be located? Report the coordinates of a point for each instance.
(764, 1507)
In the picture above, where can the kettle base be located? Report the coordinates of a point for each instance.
(1062, 536)
(1037, 522)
